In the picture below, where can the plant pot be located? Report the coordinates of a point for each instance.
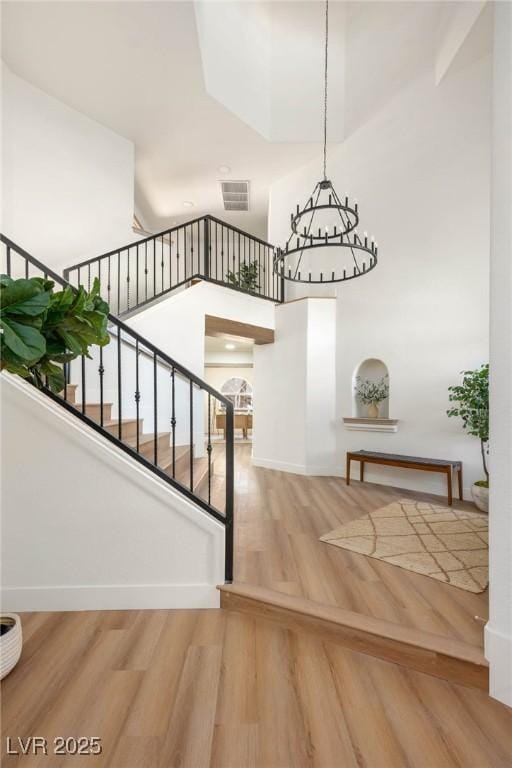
(10, 642)
(373, 411)
(480, 496)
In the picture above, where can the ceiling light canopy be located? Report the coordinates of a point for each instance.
(324, 245)
(188, 204)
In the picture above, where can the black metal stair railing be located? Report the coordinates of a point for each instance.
(205, 248)
(149, 406)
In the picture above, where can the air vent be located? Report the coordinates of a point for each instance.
(235, 195)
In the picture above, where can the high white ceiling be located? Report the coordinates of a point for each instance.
(142, 69)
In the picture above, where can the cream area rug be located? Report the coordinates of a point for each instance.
(450, 545)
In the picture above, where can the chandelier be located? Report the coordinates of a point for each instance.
(325, 227)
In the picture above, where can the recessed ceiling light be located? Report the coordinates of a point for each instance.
(188, 204)
(230, 346)
(224, 169)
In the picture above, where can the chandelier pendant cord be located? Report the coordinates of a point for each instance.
(325, 84)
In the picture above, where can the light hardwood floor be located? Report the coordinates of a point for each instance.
(191, 689)
(279, 519)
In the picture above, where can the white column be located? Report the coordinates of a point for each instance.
(498, 632)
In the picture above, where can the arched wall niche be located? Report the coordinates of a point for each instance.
(374, 370)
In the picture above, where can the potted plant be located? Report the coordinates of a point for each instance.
(246, 278)
(372, 393)
(472, 406)
(10, 642)
(42, 329)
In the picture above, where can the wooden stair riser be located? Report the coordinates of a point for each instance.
(182, 463)
(434, 655)
(147, 446)
(69, 393)
(93, 411)
(128, 429)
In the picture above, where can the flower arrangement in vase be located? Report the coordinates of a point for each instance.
(372, 393)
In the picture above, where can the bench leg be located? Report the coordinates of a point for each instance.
(361, 471)
(460, 483)
(348, 470)
(449, 478)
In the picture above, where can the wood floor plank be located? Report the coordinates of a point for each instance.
(225, 690)
(279, 520)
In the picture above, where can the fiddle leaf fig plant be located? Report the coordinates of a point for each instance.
(471, 404)
(41, 329)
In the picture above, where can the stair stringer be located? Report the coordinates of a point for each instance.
(89, 527)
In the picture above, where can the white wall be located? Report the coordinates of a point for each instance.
(498, 632)
(176, 325)
(294, 391)
(67, 181)
(420, 172)
(93, 529)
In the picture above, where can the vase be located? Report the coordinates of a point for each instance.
(373, 410)
(10, 642)
(480, 496)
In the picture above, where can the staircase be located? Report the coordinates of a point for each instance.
(176, 466)
(149, 406)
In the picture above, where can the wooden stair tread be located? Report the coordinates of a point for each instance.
(115, 422)
(440, 656)
(146, 437)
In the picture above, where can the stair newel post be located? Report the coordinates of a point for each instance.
(207, 247)
(229, 510)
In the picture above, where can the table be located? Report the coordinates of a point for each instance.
(242, 421)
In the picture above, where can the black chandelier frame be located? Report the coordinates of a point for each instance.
(344, 237)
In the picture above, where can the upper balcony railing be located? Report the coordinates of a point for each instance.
(205, 248)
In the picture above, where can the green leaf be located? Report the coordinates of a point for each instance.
(26, 342)
(24, 297)
(42, 329)
(54, 374)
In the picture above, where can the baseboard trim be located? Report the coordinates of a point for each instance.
(435, 655)
(498, 651)
(109, 597)
(297, 469)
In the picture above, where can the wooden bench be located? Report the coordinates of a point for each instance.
(407, 462)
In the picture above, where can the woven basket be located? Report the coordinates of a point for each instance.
(10, 643)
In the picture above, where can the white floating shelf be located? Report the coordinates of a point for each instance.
(371, 425)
